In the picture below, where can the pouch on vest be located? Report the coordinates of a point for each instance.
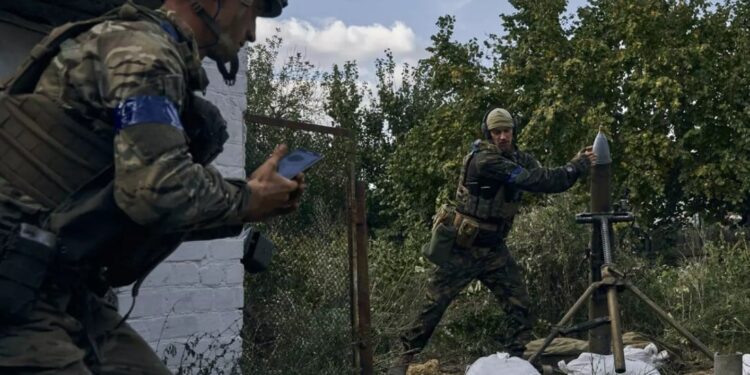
(438, 250)
(467, 233)
(23, 268)
(446, 214)
(258, 251)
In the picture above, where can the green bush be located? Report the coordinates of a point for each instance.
(707, 293)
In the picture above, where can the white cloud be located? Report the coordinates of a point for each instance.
(334, 42)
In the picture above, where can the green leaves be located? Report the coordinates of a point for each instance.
(668, 81)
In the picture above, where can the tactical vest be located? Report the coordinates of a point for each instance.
(57, 159)
(484, 199)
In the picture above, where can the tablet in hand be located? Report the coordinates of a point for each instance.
(297, 162)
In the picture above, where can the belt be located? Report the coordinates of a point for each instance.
(460, 218)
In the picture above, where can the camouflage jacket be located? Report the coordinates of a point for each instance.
(156, 181)
(522, 171)
(491, 182)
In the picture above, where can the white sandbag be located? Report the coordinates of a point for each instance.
(597, 364)
(746, 364)
(650, 355)
(501, 364)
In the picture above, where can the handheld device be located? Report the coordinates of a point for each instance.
(297, 162)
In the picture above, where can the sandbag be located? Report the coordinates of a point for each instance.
(637, 362)
(501, 364)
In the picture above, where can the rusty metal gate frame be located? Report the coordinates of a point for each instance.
(358, 239)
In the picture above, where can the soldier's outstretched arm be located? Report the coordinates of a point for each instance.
(532, 177)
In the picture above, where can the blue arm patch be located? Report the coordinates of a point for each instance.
(169, 29)
(146, 109)
(514, 174)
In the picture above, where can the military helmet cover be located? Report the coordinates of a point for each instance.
(273, 8)
(499, 118)
(223, 50)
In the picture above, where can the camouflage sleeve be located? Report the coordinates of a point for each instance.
(156, 180)
(527, 174)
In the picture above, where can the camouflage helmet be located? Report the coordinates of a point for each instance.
(272, 8)
(224, 50)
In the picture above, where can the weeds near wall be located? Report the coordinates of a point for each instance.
(207, 353)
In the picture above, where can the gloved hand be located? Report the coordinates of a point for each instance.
(583, 160)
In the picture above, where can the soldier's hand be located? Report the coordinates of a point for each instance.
(588, 153)
(295, 196)
(271, 193)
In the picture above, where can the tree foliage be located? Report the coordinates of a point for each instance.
(666, 80)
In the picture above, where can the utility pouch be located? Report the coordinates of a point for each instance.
(467, 232)
(446, 214)
(438, 250)
(258, 251)
(23, 268)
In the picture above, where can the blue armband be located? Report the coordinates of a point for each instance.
(146, 109)
(514, 174)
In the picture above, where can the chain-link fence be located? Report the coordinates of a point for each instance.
(299, 314)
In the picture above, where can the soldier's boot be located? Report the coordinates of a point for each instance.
(401, 365)
(516, 344)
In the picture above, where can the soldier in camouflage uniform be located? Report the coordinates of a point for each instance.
(488, 198)
(124, 85)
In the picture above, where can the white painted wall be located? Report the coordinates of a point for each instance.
(198, 291)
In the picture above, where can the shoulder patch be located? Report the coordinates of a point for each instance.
(170, 29)
(146, 109)
(514, 174)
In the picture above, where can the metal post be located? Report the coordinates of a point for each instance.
(351, 228)
(363, 282)
(728, 364)
(616, 329)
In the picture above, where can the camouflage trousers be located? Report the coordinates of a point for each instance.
(496, 269)
(57, 339)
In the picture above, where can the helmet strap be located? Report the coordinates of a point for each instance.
(230, 76)
(222, 40)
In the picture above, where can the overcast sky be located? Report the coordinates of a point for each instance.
(334, 31)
